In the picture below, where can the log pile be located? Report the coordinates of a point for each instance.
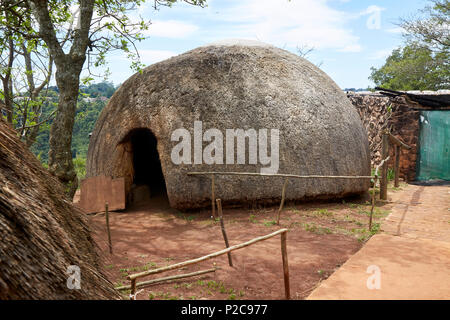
(379, 112)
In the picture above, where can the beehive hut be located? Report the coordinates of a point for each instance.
(231, 85)
(42, 234)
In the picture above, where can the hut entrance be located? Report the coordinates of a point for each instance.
(148, 179)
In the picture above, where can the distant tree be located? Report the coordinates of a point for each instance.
(432, 28)
(413, 67)
(423, 62)
(76, 31)
(25, 72)
(86, 115)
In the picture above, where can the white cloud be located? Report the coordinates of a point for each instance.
(380, 54)
(291, 23)
(171, 29)
(152, 56)
(148, 57)
(351, 48)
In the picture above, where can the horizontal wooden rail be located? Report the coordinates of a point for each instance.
(159, 280)
(275, 175)
(209, 256)
(398, 142)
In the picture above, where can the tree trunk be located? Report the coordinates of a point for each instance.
(60, 154)
(32, 133)
(68, 70)
(8, 99)
(7, 83)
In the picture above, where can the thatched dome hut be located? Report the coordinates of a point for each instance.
(42, 233)
(231, 85)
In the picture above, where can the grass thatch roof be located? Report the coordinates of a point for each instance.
(41, 232)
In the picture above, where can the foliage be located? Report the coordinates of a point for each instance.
(78, 35)
(423, 62)
(390, 174)
(80, 167)
(25, 71)
(432, 29)
(102, 89)
(413, 67)
(88, 111)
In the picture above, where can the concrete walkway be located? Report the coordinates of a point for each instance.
(409, 260)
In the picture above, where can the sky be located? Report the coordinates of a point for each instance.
(348, 36)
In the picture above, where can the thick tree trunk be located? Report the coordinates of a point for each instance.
(60, 154)
(68, 69)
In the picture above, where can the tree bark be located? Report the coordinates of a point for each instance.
(68, 70)
(60, 153)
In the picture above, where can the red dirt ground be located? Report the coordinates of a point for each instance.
(321, 237)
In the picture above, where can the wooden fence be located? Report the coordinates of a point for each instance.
(387, 137)
(133, 278)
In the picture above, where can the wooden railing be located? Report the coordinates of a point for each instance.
(212, 174)
(387, 137)
(133, 278)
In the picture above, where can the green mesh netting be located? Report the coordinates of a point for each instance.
(434, 159)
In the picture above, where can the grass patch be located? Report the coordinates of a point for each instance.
(312, 227)
(268, 223)
(323, 213)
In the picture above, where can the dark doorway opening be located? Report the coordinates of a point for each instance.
(148, 178)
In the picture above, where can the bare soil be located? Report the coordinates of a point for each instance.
(322, 236)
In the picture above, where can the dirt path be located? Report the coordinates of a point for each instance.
(412, 255)
(422, 212)
(322, 236)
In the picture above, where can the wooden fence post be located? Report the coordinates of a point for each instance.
(213, 196)
(384, 169)
(133, 289)
(222, 226)
(397, 166)
(107, 228)
(283, 195)
(287, 290)
(373, 202)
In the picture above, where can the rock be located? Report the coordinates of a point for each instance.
(235, 85)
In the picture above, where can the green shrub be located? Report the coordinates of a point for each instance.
(80, 167)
